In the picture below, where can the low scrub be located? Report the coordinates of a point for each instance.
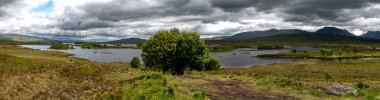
(81, 70)
(135, 62)
(149, 87)
(9, 63)
(199, 96)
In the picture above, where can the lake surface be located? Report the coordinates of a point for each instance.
(244, 57)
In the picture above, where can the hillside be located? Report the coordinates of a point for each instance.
(127, 41)
(372, 34)
(21, 38)
(314, 38)
(216, 38)
(334, 31)
(271, 32)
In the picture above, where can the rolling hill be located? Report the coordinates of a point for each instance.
(271, 32)
(334, 31)
(372, 34)
(126, 41)
(216, 38)
(22, 38)
(314, 38)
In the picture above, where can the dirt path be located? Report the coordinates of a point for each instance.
(235, 90)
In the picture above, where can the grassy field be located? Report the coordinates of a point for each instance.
(34, 74)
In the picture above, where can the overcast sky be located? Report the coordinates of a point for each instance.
(101, 20)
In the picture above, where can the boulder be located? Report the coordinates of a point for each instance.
(341, 90)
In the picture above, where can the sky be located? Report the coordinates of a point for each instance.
(103, 20)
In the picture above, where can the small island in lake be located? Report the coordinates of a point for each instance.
(60, 46)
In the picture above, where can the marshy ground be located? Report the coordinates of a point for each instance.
(35, 74)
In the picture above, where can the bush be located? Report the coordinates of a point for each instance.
(293, 50)
(175, 51)
(361, 85)
(212, 64)
(199, 96)
(149, 87)
(60, 46)
(135, 62)
(327, 77)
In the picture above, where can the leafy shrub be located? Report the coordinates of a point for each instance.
(361, 85)
(327, 77)
(175, 51)
(199, 95)
(212, 64)
(135, 62)
(326, 52)
(149, 87)
(293, 50)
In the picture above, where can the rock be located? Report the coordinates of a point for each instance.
(340, 90)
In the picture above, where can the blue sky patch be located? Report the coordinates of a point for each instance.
(47, 8)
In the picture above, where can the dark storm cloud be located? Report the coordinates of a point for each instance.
(83, 24)
(126, 18)
(237, 5)
(115, 12)
(3, 4)
(297, 10)
(6, 2)
(308, 11)
(124, 10)
(323, 9)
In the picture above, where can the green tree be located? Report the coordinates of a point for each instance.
(175, 51)
(135, 62)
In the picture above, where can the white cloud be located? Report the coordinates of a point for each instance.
(114, 19)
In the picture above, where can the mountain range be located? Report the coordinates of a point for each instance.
(372, 34)
(326, 34)
(22, 38)
(273, 32)
(127, 41)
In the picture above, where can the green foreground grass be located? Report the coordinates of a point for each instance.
(34, 74)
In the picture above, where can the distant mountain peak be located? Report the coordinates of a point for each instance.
(127, 41)
(333, 30)
(270, 32)
(22, 38)
(372, 34)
